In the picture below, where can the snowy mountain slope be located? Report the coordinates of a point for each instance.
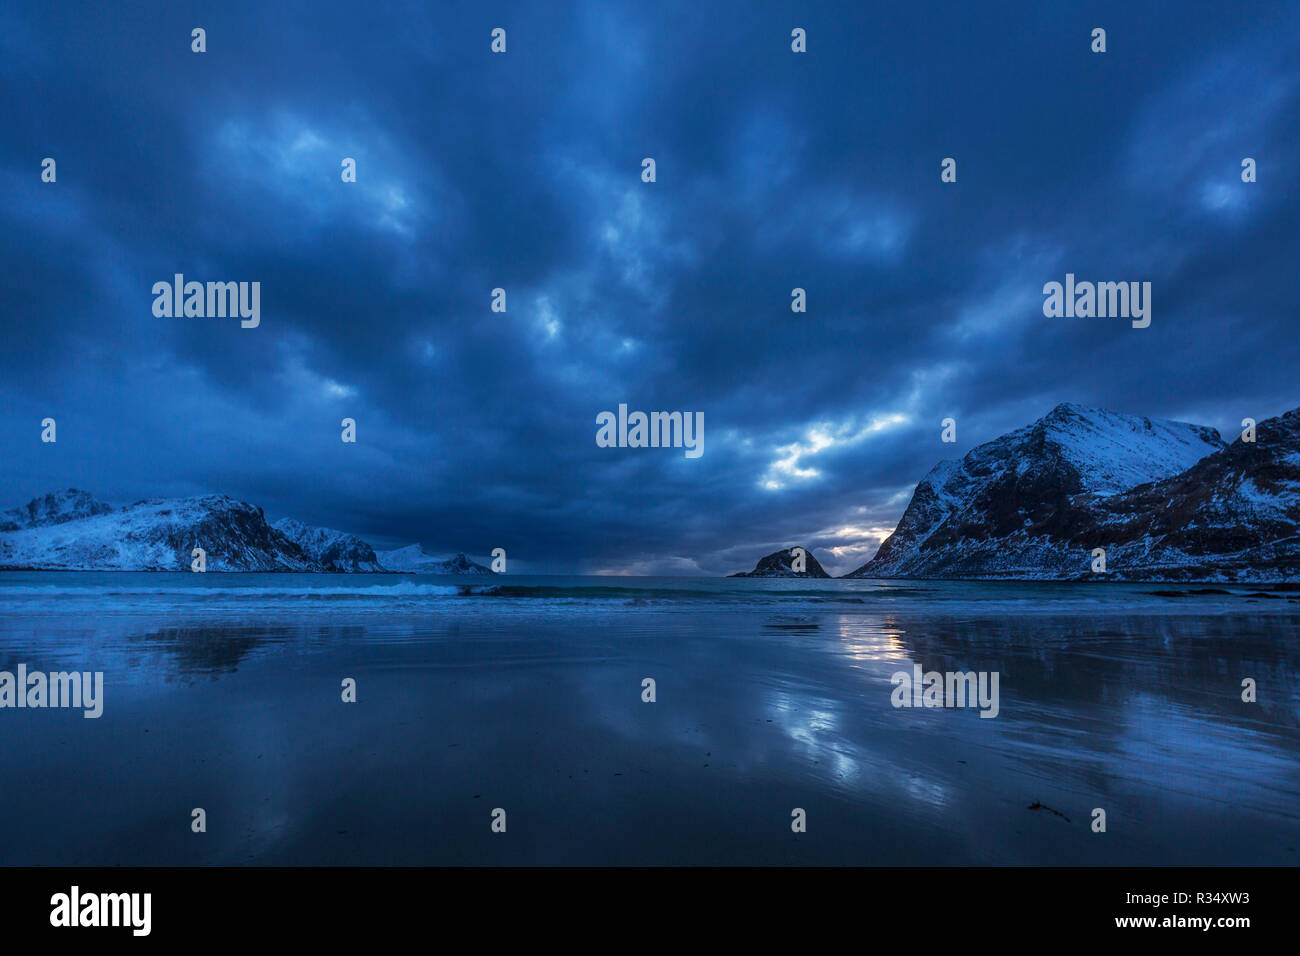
(414, 559)
(1113, 452)
(1025, 505)
(158, 534)
(71, 531)
(53, 508)
(332, 550)
(1234, 516)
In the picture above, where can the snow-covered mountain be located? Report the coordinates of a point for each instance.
(158, 534)
(54, 508)
(1167, 500)
(1234, 516)
(71, 531)
(334, 550)
(413, 558)
(780, 564)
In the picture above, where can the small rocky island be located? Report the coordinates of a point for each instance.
(781, 564)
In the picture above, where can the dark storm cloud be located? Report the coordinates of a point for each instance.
(522, 171)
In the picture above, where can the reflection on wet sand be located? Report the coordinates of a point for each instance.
(537, 708)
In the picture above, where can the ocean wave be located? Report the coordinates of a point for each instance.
(406, 588)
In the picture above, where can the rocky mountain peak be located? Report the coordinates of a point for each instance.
(1036, 501)
(55, 507)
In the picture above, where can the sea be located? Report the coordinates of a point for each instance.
(284, 719)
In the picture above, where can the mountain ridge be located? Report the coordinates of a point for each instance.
(413, 558)
(1036, 502)
(70, 530)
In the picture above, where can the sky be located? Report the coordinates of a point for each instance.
(522, 170)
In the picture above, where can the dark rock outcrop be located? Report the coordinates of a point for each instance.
(780, 564)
